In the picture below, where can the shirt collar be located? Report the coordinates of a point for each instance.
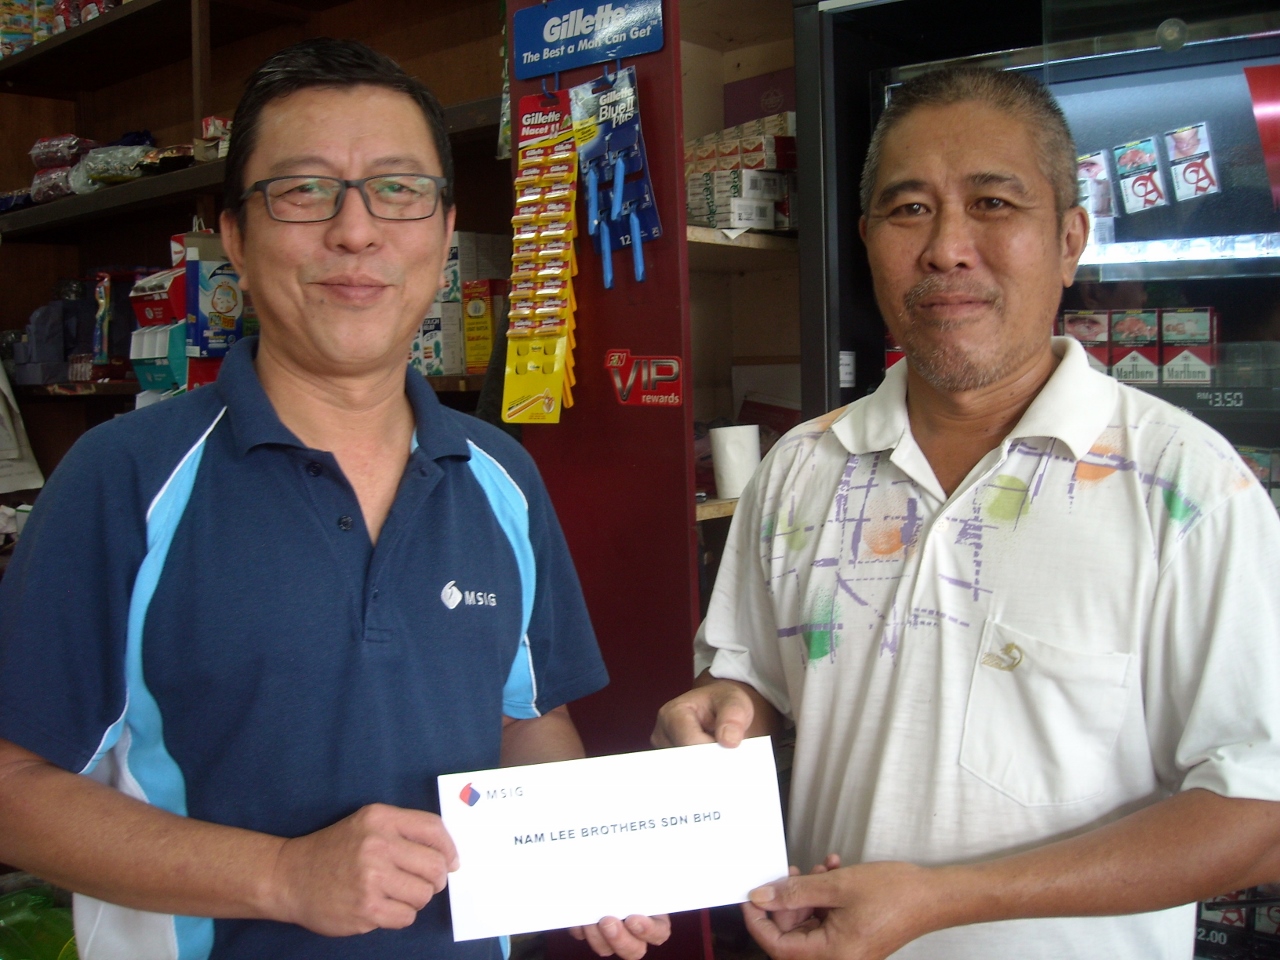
(254, 421)
(1075, 405)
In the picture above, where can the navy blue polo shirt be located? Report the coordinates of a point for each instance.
(196, 615)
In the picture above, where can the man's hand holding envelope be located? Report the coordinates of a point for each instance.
(563, 844)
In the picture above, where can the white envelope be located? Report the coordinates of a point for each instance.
(564, 844)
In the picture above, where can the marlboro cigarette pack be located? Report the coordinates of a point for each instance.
(1135, 346)
(1188, 345)
(1093, 329)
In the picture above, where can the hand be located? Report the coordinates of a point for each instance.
(788, 920)
(629, 939)
(864, 912)
(377, 868)
(720, 711)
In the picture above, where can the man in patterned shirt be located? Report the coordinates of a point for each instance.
(1022, 616)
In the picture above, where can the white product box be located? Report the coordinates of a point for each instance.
(440, 349)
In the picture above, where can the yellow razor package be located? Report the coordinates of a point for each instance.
(534, 388)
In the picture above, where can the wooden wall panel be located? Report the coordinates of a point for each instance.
(28, 275)
(451, 45)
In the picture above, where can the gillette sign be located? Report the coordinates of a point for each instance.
(563, 34)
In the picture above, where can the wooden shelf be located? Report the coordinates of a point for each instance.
(464, 384)
(711, 509)
(136, 38)
(470, 383)
(59, 220)
(90, 388)
(710, 251)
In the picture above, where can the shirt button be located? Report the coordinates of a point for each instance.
(314, 469)
(345, 523)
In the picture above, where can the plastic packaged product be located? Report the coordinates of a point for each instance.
(34, 927)
(66, 14)
(166, 159)
(89, 9)
(102, 319)
(15, 200)
(51, 184)
(60, 151)
(114, 164)
(80, 182)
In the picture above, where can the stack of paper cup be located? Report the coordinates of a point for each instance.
(735, 454)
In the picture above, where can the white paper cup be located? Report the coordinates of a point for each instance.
(735, 454)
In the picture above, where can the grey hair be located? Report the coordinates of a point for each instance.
(1014, 93)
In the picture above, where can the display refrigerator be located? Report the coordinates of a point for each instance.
(1175, 111)
(1177, 125)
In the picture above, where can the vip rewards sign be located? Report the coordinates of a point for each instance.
(563, 844)
(564, 34)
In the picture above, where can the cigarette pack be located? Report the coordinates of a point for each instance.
(1093, 329)
(1135, 346)
(1188, 345)
(1191, 163)
(1259, 461)
(1138, 168)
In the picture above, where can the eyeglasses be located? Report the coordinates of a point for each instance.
(390, 196)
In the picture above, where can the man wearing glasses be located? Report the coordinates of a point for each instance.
(266, 615)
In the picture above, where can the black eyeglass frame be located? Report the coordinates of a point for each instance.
(442, 190)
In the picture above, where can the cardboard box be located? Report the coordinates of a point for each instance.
(160, 299)
(1093, 329)
(215, 303)
(474, 256)
(750, 184)
(1188, 345)
(766, 93)
(1135, 346)
(159, 355)
(746, 215)
(768, 152)
(440, 348)
(484, 314)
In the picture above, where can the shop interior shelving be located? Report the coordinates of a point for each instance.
(1199, 258)
(61, 221)
(714, 251)
(136, 38)
(714, 509)
(743, 291)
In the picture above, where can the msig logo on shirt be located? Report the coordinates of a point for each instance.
(452, 595)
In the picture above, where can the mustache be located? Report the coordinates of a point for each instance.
(934, 285)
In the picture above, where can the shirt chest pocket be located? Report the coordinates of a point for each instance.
(1042, 720)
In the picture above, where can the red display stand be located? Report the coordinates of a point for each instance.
(621, 477)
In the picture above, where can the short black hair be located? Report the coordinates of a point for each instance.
(1016, 94)
(324, 62)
